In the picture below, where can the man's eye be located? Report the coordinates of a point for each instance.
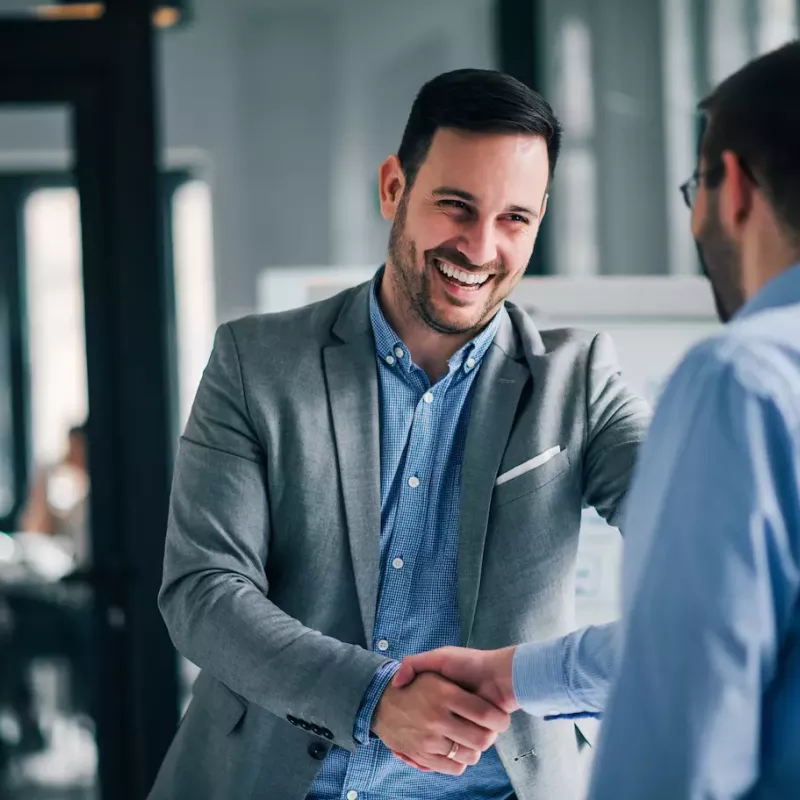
(459, 204)
(519, 218)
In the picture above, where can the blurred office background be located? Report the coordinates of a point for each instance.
(269, 119)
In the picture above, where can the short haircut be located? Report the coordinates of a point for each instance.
(755, 113)
(476, 101)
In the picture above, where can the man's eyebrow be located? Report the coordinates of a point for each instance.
(451, 191)
(523, 210)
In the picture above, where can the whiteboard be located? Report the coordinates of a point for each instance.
(653, 321)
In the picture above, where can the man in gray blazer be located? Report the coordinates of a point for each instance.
(399, 468)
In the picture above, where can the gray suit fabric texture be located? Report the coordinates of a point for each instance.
(271, 570)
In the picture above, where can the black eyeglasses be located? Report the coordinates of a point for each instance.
(692, 186)
(710, 176)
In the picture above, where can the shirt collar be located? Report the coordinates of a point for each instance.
(782, 290)
(391, 349)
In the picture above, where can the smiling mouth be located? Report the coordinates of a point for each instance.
(461, 278)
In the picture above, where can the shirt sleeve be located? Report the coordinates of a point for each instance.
(372, 697)
(711, 576)
(569, 676)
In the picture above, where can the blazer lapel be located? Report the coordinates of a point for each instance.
(494, 404)
(352, 381)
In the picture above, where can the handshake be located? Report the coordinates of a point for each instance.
(445, 708)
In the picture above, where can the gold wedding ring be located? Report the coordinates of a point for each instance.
(453, 751)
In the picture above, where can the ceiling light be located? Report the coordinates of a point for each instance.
(166, 13)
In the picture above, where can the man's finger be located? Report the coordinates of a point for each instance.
(409, 761)
(466, 734)
(479, 711)
(404, 675)
(466, 755)
(432, 661)
(447, 766)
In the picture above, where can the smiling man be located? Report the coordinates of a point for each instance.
(397, 469)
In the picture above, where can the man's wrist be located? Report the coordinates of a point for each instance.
(539, 681)
(504, 677)
(375, 690)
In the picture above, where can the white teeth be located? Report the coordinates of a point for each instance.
(460, 275)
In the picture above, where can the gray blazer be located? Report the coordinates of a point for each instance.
(272, 556)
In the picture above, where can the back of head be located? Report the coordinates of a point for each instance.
(476, 101)
(755, 114)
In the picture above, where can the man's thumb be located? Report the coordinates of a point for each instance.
(404, 675)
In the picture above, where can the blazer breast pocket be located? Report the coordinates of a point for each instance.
(532, 480)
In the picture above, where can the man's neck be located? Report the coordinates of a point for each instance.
(773, 260)
(429, 349)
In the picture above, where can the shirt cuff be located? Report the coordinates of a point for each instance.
(372, 696)
(540, 681)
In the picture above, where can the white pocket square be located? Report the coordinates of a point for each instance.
(527, 466)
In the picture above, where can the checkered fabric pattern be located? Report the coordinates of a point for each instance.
(423, 434)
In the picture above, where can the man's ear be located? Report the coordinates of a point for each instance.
(735, 195)
(391, 185)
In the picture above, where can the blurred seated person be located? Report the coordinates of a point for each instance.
(57, 503)
(45, 627)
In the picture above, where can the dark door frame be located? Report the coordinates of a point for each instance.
(104, 72)
(15, 187)
(521, 48)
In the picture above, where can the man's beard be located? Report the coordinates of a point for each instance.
(414, 288)
(721, 263)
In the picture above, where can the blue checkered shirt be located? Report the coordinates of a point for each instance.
(423, 434)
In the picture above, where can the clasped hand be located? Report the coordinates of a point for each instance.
(445, 697)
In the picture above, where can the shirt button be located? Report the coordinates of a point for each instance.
(428, 397)
(398, 563)
(383, 645)
(413, 481)
(398, 351)
(470, 363)
(390, 360)
(352, 795)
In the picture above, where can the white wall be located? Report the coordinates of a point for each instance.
(387, 50)
(289, 106)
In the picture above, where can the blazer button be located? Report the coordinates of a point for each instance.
(316, 729)
(304, 725)
(317, 751)
(327, 734)
(290, 718)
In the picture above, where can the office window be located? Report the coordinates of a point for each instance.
(55, 319)
(729, 45)
(777, 23)
(193, 257)
(575, 194)
(55, 308)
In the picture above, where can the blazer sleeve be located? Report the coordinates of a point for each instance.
(617, 420)
(215, 592)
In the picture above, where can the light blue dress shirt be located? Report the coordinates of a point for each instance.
(707, 698)
(423, 435)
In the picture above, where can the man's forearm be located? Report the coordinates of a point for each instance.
(567, 676)
(243, 639)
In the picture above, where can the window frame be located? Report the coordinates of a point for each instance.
(15, 189)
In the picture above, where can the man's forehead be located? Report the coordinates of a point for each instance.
(452, 142)
(480, 164)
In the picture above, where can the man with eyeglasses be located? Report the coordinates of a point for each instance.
(706, 701)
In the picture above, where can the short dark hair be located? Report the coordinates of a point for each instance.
(476, 101)
(755, 114)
